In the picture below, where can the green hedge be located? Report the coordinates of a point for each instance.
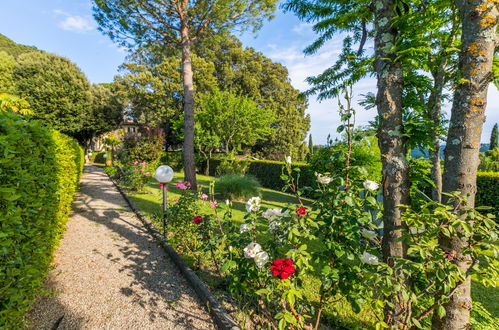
(268, 173)
(39, 172)
(488, 191)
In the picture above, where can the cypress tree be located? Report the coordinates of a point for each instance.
(311, 144)
(494, 137)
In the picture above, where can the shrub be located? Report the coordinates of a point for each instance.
(39, 172)
(135, 175)
(237, 187)
(231, 165)
(111, 171)
(147, 147)
(488, 191)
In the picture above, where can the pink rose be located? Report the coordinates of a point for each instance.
(181, 185)
(161, 186)
(203, 197)
(213, 204)
(134, 163)
(143, 164)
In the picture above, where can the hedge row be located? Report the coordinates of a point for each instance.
(488, 191)
(268, 174)
(39, 173)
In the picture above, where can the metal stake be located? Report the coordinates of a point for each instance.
(165, 214)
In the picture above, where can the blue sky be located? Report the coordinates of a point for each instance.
(66, 28)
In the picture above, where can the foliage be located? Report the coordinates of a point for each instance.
(111, 171)
(55, 88)
(146, 147)
(135, 175)
(237, 187)
(365, 154)
(248, 72)
(14, 104)
(98, 157)
(7, 64)
(489, 160)
(488, 191)
(236, 120)
(231, 165)
(13, 49)
(103, 113)
(40, 172)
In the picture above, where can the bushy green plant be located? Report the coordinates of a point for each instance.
(365, 154)
(147, 147)
(488, 192)
(231, 165)
(237, 187)
(135, 175)
(40, 169)
(111, 171)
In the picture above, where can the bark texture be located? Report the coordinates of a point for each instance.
(391, 141)
(188, 146)
(478, 42)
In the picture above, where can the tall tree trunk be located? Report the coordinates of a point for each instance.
(391, 142)
(478, 41)
(434, 106)
(188, 147)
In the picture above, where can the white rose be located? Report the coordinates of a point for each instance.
(371, 185)
(322, 179)
(288, 159)
(369, 234)
(261, 259)
(369, 259)
(253, 204)
(227, 201)
(244, 228)
(251, 250)
(269, 214)
(273, 225)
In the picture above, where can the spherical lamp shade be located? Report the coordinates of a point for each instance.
(105, 155)
(163, 174)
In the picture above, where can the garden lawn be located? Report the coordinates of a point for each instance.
(338, 315)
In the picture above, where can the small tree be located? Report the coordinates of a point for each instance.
(494, 137)
(236, 120)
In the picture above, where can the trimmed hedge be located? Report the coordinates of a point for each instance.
(268, 173)
(488, 191)
(39, 173)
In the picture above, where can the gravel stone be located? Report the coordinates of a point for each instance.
(109, 273)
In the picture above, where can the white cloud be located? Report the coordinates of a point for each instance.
(303, 29)
(74, 23)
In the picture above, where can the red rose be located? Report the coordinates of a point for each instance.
(282, 268)
(301, 211)
(197, 220)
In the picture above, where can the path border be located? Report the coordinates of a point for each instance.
(221, 317)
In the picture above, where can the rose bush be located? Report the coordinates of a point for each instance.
(265, 261)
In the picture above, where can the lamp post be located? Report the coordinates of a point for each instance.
(164, 174)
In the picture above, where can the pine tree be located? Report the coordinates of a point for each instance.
(494, 137)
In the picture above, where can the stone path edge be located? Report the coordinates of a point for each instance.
(221, 317)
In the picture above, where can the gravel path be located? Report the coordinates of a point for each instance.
(109, 274)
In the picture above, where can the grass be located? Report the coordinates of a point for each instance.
(339, 315)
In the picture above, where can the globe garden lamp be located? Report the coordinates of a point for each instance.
(164, 174)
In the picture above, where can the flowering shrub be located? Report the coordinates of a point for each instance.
(265, 261)
(135, 175)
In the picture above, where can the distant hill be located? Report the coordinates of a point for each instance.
(424, 153)
(14, 49)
